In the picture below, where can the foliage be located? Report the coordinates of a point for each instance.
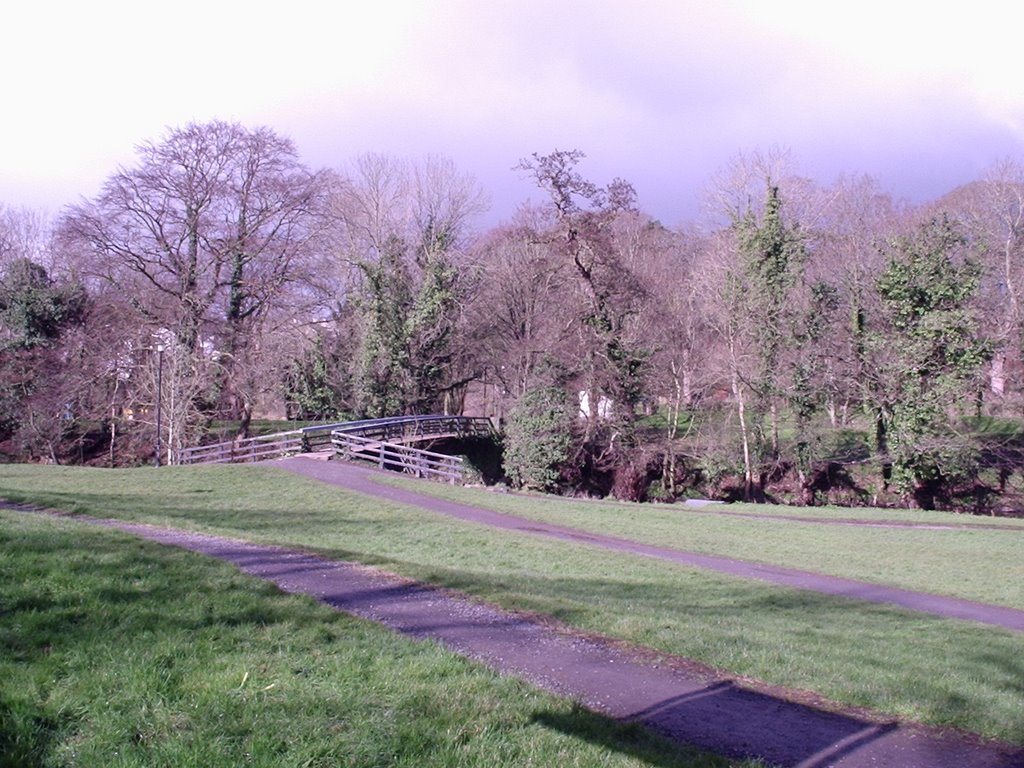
(310, 387)
(35, 311)
(773, 253)
(408, 323)
(205, 235)
(610, 360)
(33, 308)
(759, 291)
(537, 438)
(431, 326)
(219, 244)
(810, 384)
(929, 354)
(385, 301)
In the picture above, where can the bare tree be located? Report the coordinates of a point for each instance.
(991, 212)
(608, 361)
(846, 246)
(25, 234)
(202, 234)
(517, 315)
(583, 236)
(673, 321)
(717, 265)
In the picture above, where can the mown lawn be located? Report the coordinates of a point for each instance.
(976, 563)
(915, 666)
(119, 652)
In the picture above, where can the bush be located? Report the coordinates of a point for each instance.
(537, 438)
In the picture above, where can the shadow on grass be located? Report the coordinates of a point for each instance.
(201, 510)
(877, 656)
(721, 717)
(26, 734)
(745, 725)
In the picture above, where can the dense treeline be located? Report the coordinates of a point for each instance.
(805, 343)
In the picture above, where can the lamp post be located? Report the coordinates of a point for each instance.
(159, 394)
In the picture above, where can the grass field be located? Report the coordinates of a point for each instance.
(914, 666)
(977, 563)
(118, 652)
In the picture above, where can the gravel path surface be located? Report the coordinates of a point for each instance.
(677, 699)
(361, 479)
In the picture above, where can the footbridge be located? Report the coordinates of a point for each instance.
(390, 443)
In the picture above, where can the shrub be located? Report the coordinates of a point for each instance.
(537, 438)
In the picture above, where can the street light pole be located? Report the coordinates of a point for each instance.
(159, 394)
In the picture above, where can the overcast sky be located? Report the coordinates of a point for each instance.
(663, 93)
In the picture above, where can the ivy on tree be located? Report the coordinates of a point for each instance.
(408, 327)
(760, 298)
(612, 365)
(929, 356)
(34, 313)
(33, 308)
(537, 438)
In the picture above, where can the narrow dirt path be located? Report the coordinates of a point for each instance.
(361, 479)
(672, 697)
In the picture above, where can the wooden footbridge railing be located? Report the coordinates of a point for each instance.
(386, 442)
(395, 456)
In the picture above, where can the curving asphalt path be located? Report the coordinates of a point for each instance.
(361, 479)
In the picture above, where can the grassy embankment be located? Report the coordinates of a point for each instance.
(909, 665)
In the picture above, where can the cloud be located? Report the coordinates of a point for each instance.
(661, 92)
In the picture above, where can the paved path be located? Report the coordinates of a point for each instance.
(678, 700)
(361, 479)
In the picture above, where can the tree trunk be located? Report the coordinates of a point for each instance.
(748, 469)
(244, 411)
(773, 415)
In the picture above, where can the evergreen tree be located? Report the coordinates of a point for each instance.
(34, 309)
(310, 386)
(407, 331)
(34, 313)
(929, 356)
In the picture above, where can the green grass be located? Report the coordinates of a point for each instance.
(976, 564)
(938, 671)
(996, 427)
(119, 652)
